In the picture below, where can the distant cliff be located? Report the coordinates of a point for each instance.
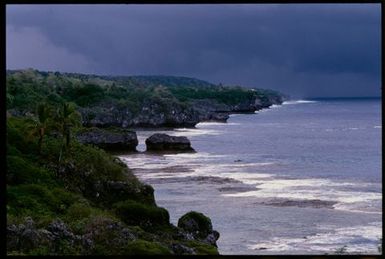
(134, 101)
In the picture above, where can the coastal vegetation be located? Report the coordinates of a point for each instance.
(78, 199)
(65, 197)
(152, 101)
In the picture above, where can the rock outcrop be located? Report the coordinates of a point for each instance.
(113, 140)
(164, 142)
(199, 226)
(153, 115)
(107, 236)
(27, 236)
(211, 110)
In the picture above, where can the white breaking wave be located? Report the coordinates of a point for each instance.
(311, 189)
(200, 155)
(344, 194)
(299, 101)
(329, 242)
(187, 132)
(209, 123)
(195, 132)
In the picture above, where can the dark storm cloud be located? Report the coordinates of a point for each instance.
(308, 50)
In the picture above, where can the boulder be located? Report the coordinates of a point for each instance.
(164, 142)
(199, 226)
(113, 140)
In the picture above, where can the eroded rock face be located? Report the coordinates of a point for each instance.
(114, 140)
(164, 142)
(199, 226)
(151, 114)
(154, 114)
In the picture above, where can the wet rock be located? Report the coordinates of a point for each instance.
(315, 203)
(238, 160)
(237, 189)
(114, 140)
(164, 142)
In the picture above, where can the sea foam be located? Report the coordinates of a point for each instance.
(298, 102)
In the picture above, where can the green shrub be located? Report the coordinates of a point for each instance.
(134, 213)
(226, 95)
(38, 201)
(202, 248)
(21, 171)
(81, 215)
(99, 163)
(41, 250)
(19, 135)
(107, 235)
(13, 151)
(84, 95)
(142, 247)
(196, 222)
(78, 211)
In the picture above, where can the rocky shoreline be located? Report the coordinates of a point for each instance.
(192, 227)
(119, 138)
(67, 196)
(153, 115)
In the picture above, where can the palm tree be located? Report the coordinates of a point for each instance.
(66, 117)
(37, 125)
(9, 100)
(44, 113)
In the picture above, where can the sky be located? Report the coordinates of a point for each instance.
(303, 50)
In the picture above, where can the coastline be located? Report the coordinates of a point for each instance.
(183, 176)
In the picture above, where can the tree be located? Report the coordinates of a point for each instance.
(66, 117)
(9, 100)
(44, 114)
(36, 126)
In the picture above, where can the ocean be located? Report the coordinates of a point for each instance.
(304, 177)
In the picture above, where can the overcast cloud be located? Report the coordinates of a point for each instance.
(304, 50)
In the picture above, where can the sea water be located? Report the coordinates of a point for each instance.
(299, 178)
